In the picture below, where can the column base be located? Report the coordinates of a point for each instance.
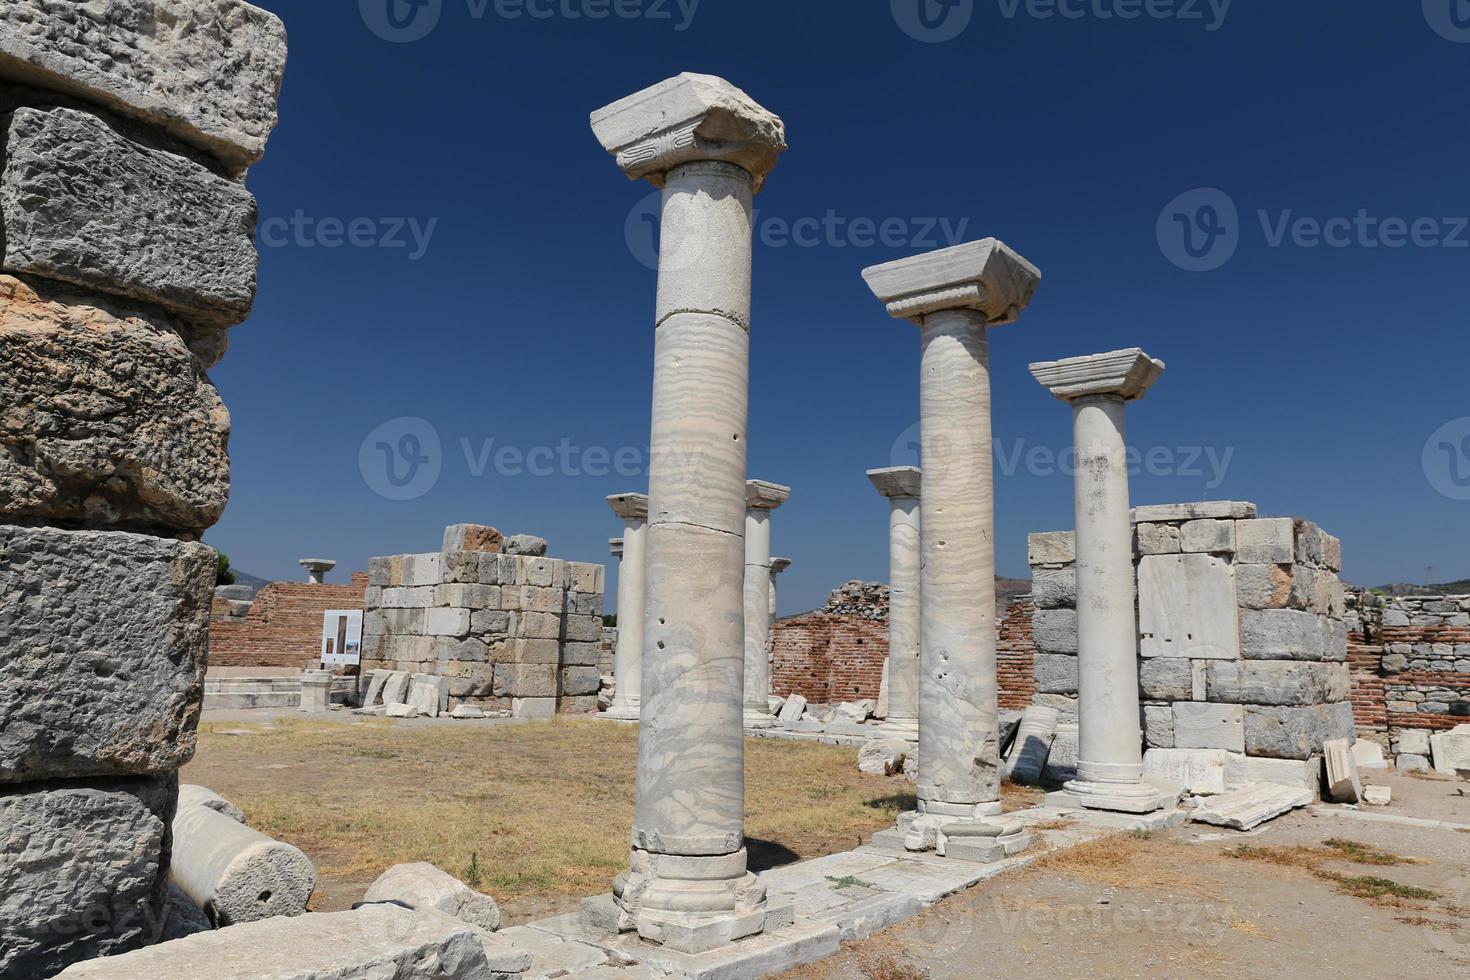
(965, 832)
(755, 718)
(1137, 797)
(623, 711)
(714, 902)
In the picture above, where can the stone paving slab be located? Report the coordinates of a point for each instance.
(760, 956)
(794, 877)
(552, 955)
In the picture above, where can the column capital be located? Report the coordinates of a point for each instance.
(987, 276)
(1125, 374)
(760, 495)
(629, 506)
(686, 118)
(615, 545)
(897, 481)
(779, 565)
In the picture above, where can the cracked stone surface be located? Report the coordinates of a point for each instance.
(104, 637)
(106, 418)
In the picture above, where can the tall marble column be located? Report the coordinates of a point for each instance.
(901, 486)
(709, 147)
(761, 499)
(628, 658)
(778, 565)
(1110, 751)
(955, 295)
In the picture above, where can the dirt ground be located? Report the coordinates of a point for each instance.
(536, 815)
(1313, 894)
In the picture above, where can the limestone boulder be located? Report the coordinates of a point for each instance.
(423, 886)
(1451, 751)
(882, 756)
(106, 418)
(207, 71)
(83, 204)
(104, 637)
(81, 871)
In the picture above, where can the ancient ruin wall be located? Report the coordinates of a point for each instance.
(827, 658)
(126, 254)
(284, 625)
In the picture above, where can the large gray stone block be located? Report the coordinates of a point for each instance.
(106, 418)
(81, 871)
(373, 942)
(103, 638)
(1055, 630)
(1056, 673)
(1054, 588)
(1166, 679)
(1295, 733)
(1277, 682)
(81, 203)
(207, 71)
(1290, 634)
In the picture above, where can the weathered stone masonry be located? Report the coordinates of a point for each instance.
(126, 254)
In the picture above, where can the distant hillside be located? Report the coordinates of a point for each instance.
(255, 582)
(1461, 587)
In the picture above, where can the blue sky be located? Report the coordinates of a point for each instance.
(443, 239)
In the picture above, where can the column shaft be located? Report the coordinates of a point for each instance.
(691, 750)
(904, 617)
(757, 615)
(628, 659)
(958, 713)
(1110, 744)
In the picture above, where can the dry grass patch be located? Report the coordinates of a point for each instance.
(1369, 888)
(530, 810)
(1130, 861)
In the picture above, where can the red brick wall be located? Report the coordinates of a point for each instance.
(827, 658)
(284, 628)
(1016, 656)
(1365, 663)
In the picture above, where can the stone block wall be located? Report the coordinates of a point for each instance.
(126, 254)
(1242, 637)
(1410, 659)
(827, 658)
(283, 627)
(518, 633)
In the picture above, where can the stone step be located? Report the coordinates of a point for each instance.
(267, 699)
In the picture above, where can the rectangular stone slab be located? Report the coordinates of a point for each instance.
(82, 203)
(1245, 809)
(371, 941)
(104, 637)
(207, 71)
(106, 419)
(1187, 608)
(81, 870)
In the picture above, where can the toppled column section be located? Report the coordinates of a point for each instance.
(235, 873)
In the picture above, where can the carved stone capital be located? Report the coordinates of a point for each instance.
(897, 481)
(629, 506)
(689, 118)
(760, 495)
(1126, 374)
(987, 276)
